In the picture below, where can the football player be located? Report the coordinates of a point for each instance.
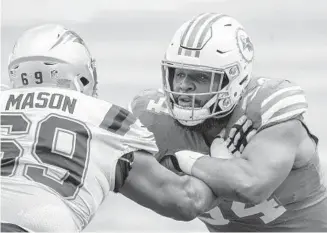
(243, 136)
(62, 150)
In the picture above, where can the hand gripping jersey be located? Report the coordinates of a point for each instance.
(298, 204)
(59, 150)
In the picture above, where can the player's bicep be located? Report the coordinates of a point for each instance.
(271, 154)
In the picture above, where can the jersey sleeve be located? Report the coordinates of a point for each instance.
(128, 131)
(141, 138)
(274, 102)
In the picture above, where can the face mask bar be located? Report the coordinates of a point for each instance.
(217, 93)
(95, 77)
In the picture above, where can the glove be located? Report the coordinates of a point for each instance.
(186, 160)
(218, 149)
(239, 136)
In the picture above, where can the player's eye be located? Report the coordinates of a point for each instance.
(202, 78)
(180, 75)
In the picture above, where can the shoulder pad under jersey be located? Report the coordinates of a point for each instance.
(271, 101)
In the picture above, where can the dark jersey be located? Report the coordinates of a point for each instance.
(298, 204)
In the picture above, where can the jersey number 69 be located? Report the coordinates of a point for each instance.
(73, 165)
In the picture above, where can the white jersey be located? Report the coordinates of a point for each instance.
(59, 150)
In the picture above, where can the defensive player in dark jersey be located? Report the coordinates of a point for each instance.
(243, 136)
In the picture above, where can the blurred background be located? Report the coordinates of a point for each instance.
(128, 40)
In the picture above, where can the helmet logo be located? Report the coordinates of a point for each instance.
(225, 103)
(54, 74)
(69, 36)
(233, 71)
(244, 45)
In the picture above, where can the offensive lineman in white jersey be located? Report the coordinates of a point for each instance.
(62, 150)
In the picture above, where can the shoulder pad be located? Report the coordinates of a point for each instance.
(270, 101)
(150, 100)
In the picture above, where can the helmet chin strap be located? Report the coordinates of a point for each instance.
(184, 116)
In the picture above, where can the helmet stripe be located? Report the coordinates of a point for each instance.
(190, 27)
(206, 30)
(195, 29)
(188, 52)
(196, 33)
(180, 49)
(204, 33)
(202, 30)
(187, 33)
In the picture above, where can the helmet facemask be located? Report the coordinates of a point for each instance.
(216, 44)
(212, 102)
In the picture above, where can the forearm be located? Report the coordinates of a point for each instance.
(156, 197)
(202, 198)
(188, 197)
(200, 195)
(153, 186)
(230, 179)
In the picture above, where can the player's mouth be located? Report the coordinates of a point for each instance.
(185, 101)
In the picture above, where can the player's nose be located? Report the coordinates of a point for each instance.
(187, 84)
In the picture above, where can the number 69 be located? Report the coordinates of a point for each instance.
(37, 75)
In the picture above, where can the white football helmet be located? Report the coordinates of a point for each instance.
(212, 43)
(51, 55)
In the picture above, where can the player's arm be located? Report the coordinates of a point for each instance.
(265, 163)
(153, 186)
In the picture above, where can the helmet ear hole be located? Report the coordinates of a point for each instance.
(84, 81)
(225, 81)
